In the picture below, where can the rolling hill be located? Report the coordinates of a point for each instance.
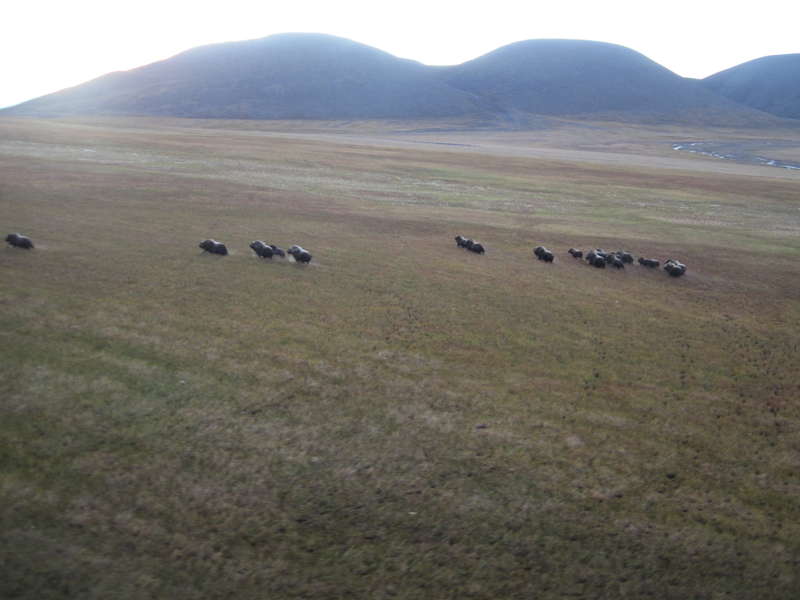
(317, 76)
(770, 84)
(575, 77)
(285, 76)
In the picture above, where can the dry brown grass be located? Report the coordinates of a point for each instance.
(401, 418)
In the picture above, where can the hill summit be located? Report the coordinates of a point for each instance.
(557, 77)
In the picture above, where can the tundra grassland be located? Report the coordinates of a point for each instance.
(401, 418)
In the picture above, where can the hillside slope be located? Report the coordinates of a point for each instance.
(770, 84)
(283, 76)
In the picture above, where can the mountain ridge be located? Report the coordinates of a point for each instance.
(319, 76)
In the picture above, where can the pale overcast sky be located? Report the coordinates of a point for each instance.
(47, 45)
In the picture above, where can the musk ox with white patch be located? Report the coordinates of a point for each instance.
(575, 253)
(214, 247)
(261, 249)
(543, 254)
(596, 260)
(675, 268)
(300, 254)
(17, 240)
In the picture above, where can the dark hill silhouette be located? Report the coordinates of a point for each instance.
(316, 76)
(770, 83)
(575, 77)
(283, 76)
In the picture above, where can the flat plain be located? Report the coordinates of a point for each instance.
(400, 418)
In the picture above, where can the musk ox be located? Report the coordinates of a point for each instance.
(277, 251)
(460, 239)
(615, 261)
(477, 248)
(543, 254)
(214, 247)
(625, 257)
(596, 260)
(575, 253)
(261, 249)
(675, 268)
(300, 254)
(649, 262)
(18, 240)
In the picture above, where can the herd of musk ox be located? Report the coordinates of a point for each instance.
(262, 250)
(470, 245)
(597, 258)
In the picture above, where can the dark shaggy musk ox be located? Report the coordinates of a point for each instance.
(615, 261)
(18, 240)
(214, 247)
(596, 260)
(575, 253)
(261, 249)
(543, 254)
(625, 257)
(675, 268)
(277, 251)
(649, 262)
(469, 244)
(300, 254)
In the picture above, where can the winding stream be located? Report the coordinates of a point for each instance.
(746, 152)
